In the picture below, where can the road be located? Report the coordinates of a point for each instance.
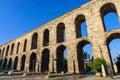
(72, 77)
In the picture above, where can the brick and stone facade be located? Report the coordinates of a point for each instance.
(43, 47)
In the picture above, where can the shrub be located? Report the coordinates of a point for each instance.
(96, 64)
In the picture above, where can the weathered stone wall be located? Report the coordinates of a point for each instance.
(97, 36)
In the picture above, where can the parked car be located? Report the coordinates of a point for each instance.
(15, 72)
(4, 72)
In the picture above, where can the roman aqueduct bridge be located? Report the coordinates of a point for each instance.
(42, 49)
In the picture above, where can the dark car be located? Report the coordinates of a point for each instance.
(4, 72)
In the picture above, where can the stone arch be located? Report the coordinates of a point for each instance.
(32, 64)
(7, 51)
(25, 44)
(80, 57)
(15, 62)
(60, 58)
(18, 46)
(10, 63)
(79, 20)
(45, 60)
(34, 41)
(23, 59)
(111, 37)
(105, 9)
(61, 32)
(46, 38)
(12, 49)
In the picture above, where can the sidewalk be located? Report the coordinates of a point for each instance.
(101, 78)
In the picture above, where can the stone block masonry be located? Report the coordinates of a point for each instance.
(42, 49)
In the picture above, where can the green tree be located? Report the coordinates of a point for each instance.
(118, 62)
(96, 64)
(65, 65)
(86, 55)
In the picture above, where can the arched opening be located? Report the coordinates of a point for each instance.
(25, 44)
(109, 17)
(10, 63)
(65, 62)
(18, 45)
(81, 55)
(34, 41)
(7, 50)
(46, 38)
(23, 63)
(32, 62)
(15, 63)
(3, 51)
(0, 52)
(113, 42)
(61, 36)
(45, 60)
(12, 49)
(81, 26)
(4, 64)
(111, 21)
(87, 56)
(1, 64)
(61, 59)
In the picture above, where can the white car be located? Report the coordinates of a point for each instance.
(15, 72)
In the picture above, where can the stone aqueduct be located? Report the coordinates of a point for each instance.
(42, 49)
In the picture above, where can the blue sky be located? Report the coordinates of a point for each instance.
(18, 17)
(21, 16)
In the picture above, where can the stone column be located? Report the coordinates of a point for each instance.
(71, 66)
(12, 66)
(36, 67)
(40, 65)
(26, 67)
(39, 60)
(19, 63)
(76, 67)
(51, 63)
(101, 51)
(27, 62)
(72, 59)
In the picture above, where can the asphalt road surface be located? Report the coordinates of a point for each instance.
(72, 77)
